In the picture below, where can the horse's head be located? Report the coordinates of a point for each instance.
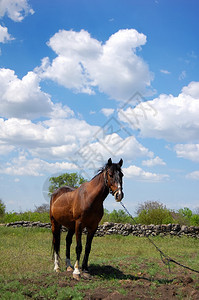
(114, 179)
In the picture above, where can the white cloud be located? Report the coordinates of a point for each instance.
(74, 141)
(55, 138)
(167, 117)
(16, 10)
(84, 63)
(156, 161)
(107, 111)
(165, 72)
(137, 173)
(21, 166)
(115, 146)
(194, 175)
(188, 151)
(54, 131)
(192, 89)
(4, 35)
(23, 98)
(5, 149)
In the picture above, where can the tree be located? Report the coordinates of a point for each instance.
(42, 208)
(149, 205)
(2, 208)
(119, 216)
(153, 212)
(66, 179)
(185, 212)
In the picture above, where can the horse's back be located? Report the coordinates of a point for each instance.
(60, 191)
(61, 205)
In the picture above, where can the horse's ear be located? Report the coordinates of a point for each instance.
(121, 162)
(109, 162)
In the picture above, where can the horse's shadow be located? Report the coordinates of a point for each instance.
(109, 272)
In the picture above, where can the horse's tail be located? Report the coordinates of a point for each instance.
(56, 231)
(55, 226)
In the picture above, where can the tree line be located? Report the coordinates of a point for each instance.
(149, 212)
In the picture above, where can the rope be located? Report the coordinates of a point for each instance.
(165, 259)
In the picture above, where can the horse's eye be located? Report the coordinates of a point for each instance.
(111, 175)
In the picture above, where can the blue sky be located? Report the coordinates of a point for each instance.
(82, 81)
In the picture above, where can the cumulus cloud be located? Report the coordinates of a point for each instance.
(5, 149)
(22, 165)
(4, 35)
(188, 151)
(193, 175)
(116, 146)
(107, 111)
(167, 117)
(56, 139)
(156, 161)
(16, 10)
(192, 89)
(84, 63)
(23, 98)
(137, 173)
(50, 133)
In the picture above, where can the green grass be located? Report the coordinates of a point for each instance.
(26, 266)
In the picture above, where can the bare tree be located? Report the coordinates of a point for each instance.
(42, 208)
(149, 205)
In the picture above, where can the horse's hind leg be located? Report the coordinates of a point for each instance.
(68, 245)
(78, 231)
(56, 231)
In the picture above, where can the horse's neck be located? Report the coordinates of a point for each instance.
(99, 187)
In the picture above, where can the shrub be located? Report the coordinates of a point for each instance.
(119, 216)
(26, 216)
(194, 220)
(2, 208)
(184, 216)
(153, 212)
(155, 216)
(116, 216)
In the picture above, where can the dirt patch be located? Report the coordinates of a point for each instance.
(110, 283)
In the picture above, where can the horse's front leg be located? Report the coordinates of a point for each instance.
(89, 239)
(78, 232)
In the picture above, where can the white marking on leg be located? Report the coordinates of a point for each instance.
(56, 268)
(76, 269)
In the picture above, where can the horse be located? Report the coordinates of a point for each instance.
(82, 207)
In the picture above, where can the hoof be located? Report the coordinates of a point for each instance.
(69, 269)
(86, 275)
(57, 270)
(76, 276)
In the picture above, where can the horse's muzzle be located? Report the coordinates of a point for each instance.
(119, 195)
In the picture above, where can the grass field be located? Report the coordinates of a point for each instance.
(121, 268)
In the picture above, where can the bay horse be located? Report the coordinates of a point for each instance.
(82, 208)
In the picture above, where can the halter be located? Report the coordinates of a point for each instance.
(107, 184)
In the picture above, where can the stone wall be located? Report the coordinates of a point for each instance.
(126, 229)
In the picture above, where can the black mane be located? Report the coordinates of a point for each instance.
(115, 166)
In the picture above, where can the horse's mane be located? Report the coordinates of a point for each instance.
(100, 170)
(104, 168)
